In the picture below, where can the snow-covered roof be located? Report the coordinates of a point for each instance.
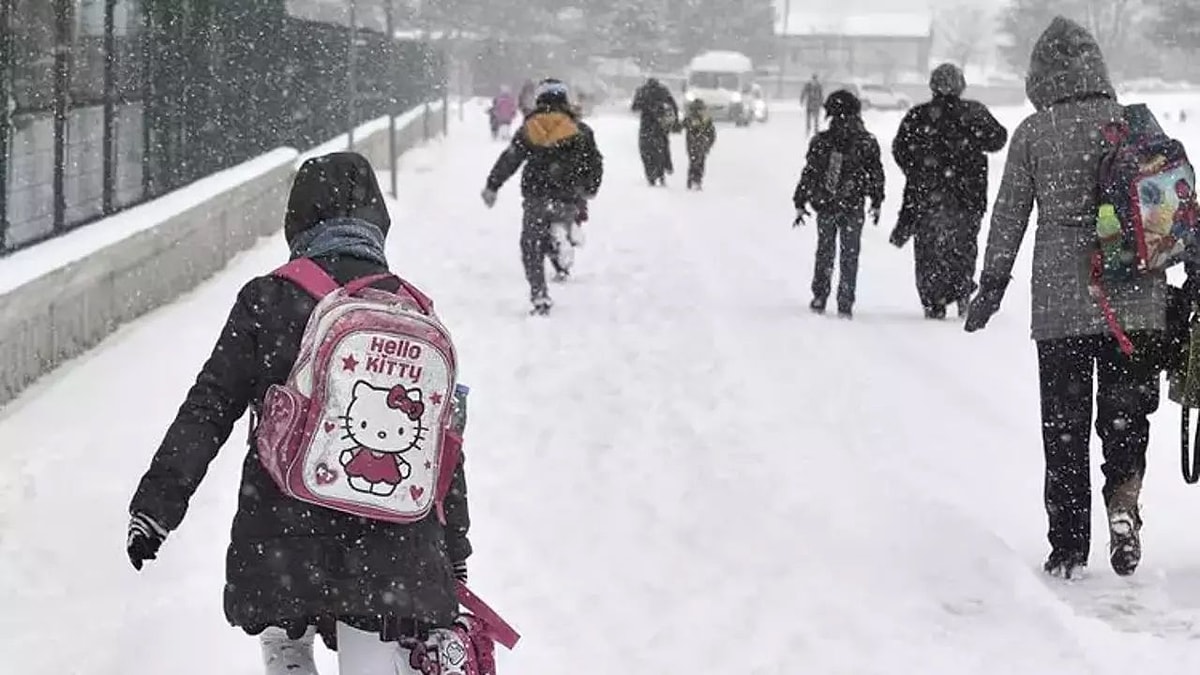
(721, 61)
(891, 24)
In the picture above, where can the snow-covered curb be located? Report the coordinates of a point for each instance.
(59, 298)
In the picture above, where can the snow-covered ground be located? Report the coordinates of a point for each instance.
(681, 471)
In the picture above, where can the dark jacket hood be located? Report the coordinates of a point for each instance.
(335, 186)
(1066, 63)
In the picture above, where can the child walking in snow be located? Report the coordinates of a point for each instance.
(295, 569)
(842, 170)
(700, 134)
(563, 170)
(502, 113)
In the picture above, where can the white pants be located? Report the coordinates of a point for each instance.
(359, 653)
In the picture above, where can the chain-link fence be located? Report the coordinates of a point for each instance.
(109, 103)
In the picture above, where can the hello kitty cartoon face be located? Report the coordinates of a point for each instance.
(385, 420)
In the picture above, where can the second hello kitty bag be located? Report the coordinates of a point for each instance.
(363, 423)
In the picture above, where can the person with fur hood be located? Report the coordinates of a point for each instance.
(563, 171)
(293, 569)
(842, 171)
(941, 148)
(1053, 162)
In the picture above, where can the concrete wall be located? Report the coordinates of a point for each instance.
(63, 297)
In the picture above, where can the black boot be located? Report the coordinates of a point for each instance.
(1065, 564)
(817, 305)
(1124, 528)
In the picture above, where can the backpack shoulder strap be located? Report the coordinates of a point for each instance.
(308, 275)
(422, 300)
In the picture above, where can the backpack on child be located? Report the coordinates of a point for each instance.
(838, 177)
(1146, 221)
(370, 422)
(363, 423)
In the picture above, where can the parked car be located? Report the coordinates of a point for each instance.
(877, 96)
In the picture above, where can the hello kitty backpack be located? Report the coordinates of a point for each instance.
(363, 423)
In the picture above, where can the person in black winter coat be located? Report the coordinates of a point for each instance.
(941, 148)
(659, 116)
(812, 97)
(292, 566)
(563, 169)
(843, 169)
(700, 134)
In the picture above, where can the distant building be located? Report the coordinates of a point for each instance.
(889, 47)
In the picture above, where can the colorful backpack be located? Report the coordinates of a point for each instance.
(466, 648)
(363, 423)
(1146, 220)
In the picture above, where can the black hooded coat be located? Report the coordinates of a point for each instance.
(291, 564)
(659, 114)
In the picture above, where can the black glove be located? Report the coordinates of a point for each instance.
(460, 570)
(145, 538)
(986, 303)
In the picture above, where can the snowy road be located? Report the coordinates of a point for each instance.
(681, 471)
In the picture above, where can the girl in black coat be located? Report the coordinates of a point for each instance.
(293, 567)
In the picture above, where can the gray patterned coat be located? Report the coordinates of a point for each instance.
(1053, 162)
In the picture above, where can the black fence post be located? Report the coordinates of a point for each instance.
(7, 105)
(62, 74)
(351, 84)
(149, 109)
(393, 56)
(110, 94)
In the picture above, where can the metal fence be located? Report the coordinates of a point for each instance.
(109, 103)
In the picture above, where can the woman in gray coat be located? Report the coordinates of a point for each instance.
(1053, 161)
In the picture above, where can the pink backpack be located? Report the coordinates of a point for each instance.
(467, 648)
(362, 424)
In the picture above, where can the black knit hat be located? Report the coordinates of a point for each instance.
(552, 93)
(842, 103)
(338, 185)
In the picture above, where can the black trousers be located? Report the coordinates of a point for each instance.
(846, 227)
(654, 145)
(537, 240)
(696, 164)
(946, 251)
(1127, 392)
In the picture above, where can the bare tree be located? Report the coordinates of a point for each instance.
(966, 32)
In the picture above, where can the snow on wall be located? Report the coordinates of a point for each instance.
(61, 297)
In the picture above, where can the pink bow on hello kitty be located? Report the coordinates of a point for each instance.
(397, 399)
